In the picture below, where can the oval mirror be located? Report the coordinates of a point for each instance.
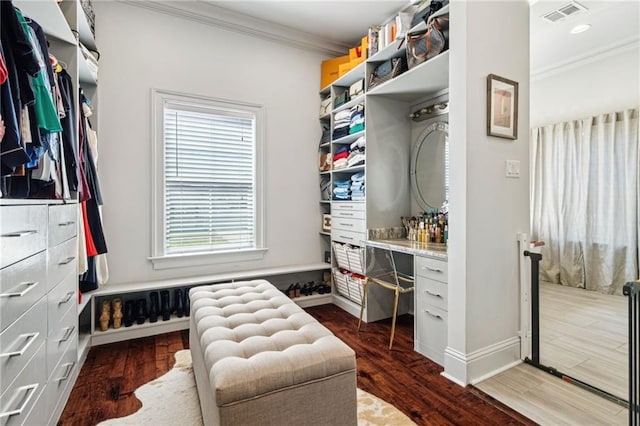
(430, 168)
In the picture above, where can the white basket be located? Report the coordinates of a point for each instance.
(355, 289)
(340, 282)
(350, 258)
(356, 259)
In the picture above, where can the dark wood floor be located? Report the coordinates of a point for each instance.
(401, 376)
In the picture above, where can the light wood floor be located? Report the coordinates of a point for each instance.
(582, 334)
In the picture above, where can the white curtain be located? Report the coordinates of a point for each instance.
(585, 183)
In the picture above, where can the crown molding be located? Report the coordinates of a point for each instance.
(210, 14)
(604, 52)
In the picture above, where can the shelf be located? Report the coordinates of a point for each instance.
(349, 138)
(349, 201)
(86, 298)
(33, 201)
(84, 30)
(49, 16)
(390, 51)
(355, 74)
(84, 73)
(427, 79)
(325, 145)
(326, 116)
(328, 234)
(139, 330)
(313, 300)
(136, 287)
(353, 169)
(325, 201)
(352, 102)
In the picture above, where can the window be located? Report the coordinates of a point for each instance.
(207, 204)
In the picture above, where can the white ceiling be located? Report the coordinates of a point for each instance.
(614, 23)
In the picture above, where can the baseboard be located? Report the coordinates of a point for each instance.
(479, 365)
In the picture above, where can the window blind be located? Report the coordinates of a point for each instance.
(209, 173)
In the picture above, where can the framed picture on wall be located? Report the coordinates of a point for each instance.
(502, 107)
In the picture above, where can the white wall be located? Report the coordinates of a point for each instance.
(140, 50)
(487, 209)
(606, 84)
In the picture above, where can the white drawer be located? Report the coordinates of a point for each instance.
(38, 414)
(62, 261)
(21, 285)
(63, 223)
(20, 341)
(61, 338)
(431, 333)
(351, 214)
(23, 232)
(21, 395)
(341, 206)
(431, 293)
(347, 237)
(62, 298)
(432, 268)
(345, 224)
(61, 377)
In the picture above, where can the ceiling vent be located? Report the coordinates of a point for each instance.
(568, 10)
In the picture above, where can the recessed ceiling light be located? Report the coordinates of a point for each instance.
(580, 28)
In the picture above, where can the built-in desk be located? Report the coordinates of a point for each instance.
(430, 297)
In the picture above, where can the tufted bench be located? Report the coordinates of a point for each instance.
(259, 358)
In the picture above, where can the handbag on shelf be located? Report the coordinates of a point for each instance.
(424, 45)
(387, 70)
(425, 11)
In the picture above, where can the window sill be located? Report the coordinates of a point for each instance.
(203, 259)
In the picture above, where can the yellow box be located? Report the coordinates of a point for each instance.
(344, 68)
(355, 53)
(364, 45)
(330, 70)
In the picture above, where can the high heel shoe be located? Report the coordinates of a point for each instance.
(128, 313)
(141, 311)
(178, 303)
(165, 310)
(154, 308)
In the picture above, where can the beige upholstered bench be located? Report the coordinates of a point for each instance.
(259, 359)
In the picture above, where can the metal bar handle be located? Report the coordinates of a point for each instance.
(67, 372)
(433, 294)
(19, 234)
(67, 260)
(69, 223)
(29, 286)
(30, 391)
(66, 298)
(68, 332)
(29, 339)
(432, 314)
(428, 268)
(346, 224)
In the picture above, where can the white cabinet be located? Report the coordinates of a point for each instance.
(39, 284)
(431, 306)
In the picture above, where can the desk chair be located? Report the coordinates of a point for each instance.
(381, 270)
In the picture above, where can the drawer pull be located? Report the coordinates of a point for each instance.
(431, 314)
(67, 260)
(29, 286)
(68, 332)
(67, 371)
(28, 341)
(433, 294)
(66, 298)
(19, 234)
(71, 222)
(346, 224)
(345, 214)
(29, 391)
(346, 238)
(433, 269)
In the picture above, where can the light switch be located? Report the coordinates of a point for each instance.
(512, 168)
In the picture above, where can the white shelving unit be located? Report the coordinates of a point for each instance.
(388, 148)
